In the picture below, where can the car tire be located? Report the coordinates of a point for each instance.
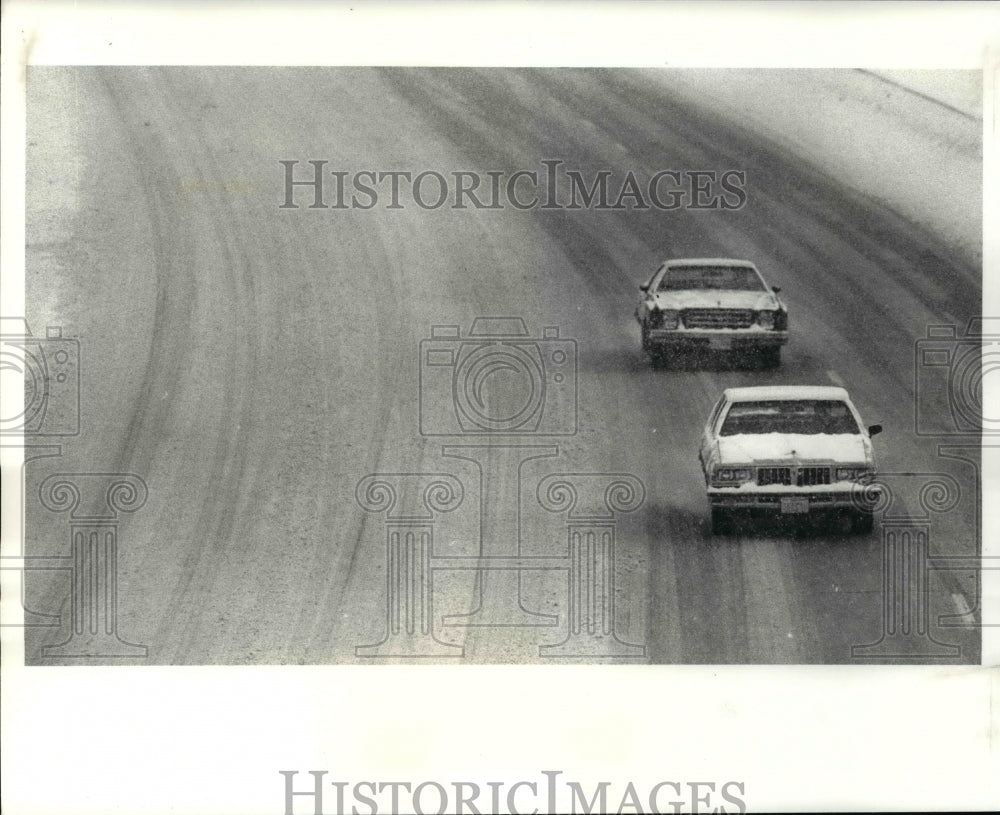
(862, 523)
(770, 357)
(661, 357)
(646, 344)
(722, 522)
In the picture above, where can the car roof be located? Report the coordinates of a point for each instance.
(777, 393)
(709, 262)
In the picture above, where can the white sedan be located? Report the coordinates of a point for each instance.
(792, 450)
(713, 304)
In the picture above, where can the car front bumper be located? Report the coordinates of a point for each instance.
(717, 340)
(797, 502)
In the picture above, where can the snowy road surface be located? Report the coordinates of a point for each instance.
(254, 363)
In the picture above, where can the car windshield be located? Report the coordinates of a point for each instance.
(730, 278)
(806, 416)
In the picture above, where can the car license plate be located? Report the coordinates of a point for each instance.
(720, 343)
(794, 506)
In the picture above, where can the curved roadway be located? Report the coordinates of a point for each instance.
(253, 363)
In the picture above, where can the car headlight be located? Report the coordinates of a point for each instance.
(666, 318)
(771, 320)
(854, 473)
(732, 475)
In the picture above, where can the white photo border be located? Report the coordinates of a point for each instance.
(212, 740)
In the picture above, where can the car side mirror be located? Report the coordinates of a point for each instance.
(776, 289)
(874, 429)
(644, 287)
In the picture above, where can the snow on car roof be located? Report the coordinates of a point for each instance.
(709, 262)
(775, 393)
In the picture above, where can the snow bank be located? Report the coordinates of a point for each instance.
(915, 147)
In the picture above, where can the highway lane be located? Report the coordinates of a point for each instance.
(253, 363)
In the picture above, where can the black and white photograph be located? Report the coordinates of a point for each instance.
(501, 365)
(492, 380)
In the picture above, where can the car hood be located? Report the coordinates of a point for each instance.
(841, 448)
(697, 298)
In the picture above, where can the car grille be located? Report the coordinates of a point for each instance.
(773, 475)
(803, 476)
(717, 317)
(811, 476)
